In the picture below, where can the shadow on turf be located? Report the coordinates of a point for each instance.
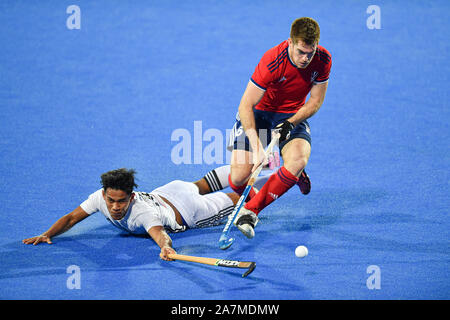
(228, 281)
(98, 250)
(101, 249)
(323, 208)
(348, 208)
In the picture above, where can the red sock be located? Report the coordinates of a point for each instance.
(240, 189)
(275, 187)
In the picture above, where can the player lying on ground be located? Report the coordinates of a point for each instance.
(174, 207)
(275, 98)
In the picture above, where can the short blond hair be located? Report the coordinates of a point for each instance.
(305, 29)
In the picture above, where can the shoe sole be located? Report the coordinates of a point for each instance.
(247, 230)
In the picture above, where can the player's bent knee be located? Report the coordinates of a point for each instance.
(239, 176)
(203, 187)
(301, 162)
(296, 165)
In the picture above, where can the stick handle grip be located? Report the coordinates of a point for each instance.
(203, 260)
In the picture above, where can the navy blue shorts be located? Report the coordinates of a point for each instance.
(265, 121)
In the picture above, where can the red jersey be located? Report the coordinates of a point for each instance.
(286, 85)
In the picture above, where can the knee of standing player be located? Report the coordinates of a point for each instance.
(296, 164)
(239, 176)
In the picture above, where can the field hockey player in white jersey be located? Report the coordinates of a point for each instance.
(174, 207)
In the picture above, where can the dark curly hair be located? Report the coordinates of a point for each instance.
(120, 179)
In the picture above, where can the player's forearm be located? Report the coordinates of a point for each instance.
(315, 101)
(163, 240)
(60, 226)
(250, 98)
(247, 118)
(307, 111)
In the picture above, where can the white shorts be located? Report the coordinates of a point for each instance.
(197, 210)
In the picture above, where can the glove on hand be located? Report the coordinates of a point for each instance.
(284, 129)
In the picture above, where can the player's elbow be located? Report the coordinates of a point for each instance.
(251, 97)
(245, 106)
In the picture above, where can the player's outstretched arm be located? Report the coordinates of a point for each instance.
(162, 239)
(60, 226)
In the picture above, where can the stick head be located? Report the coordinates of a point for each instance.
(225, 243)
(250, 269)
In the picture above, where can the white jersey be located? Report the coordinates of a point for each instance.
(146, 210)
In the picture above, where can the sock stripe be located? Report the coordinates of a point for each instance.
(219, 185)
(286, 180)
(213, 181)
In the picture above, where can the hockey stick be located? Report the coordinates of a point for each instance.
(225, 241)
(249, 265)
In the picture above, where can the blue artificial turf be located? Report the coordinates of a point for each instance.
(77, 103)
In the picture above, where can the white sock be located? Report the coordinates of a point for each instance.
(217, 178)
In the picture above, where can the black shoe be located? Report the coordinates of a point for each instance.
(304, 183)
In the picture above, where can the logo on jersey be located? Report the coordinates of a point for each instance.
(282, 79)
(314, 75)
